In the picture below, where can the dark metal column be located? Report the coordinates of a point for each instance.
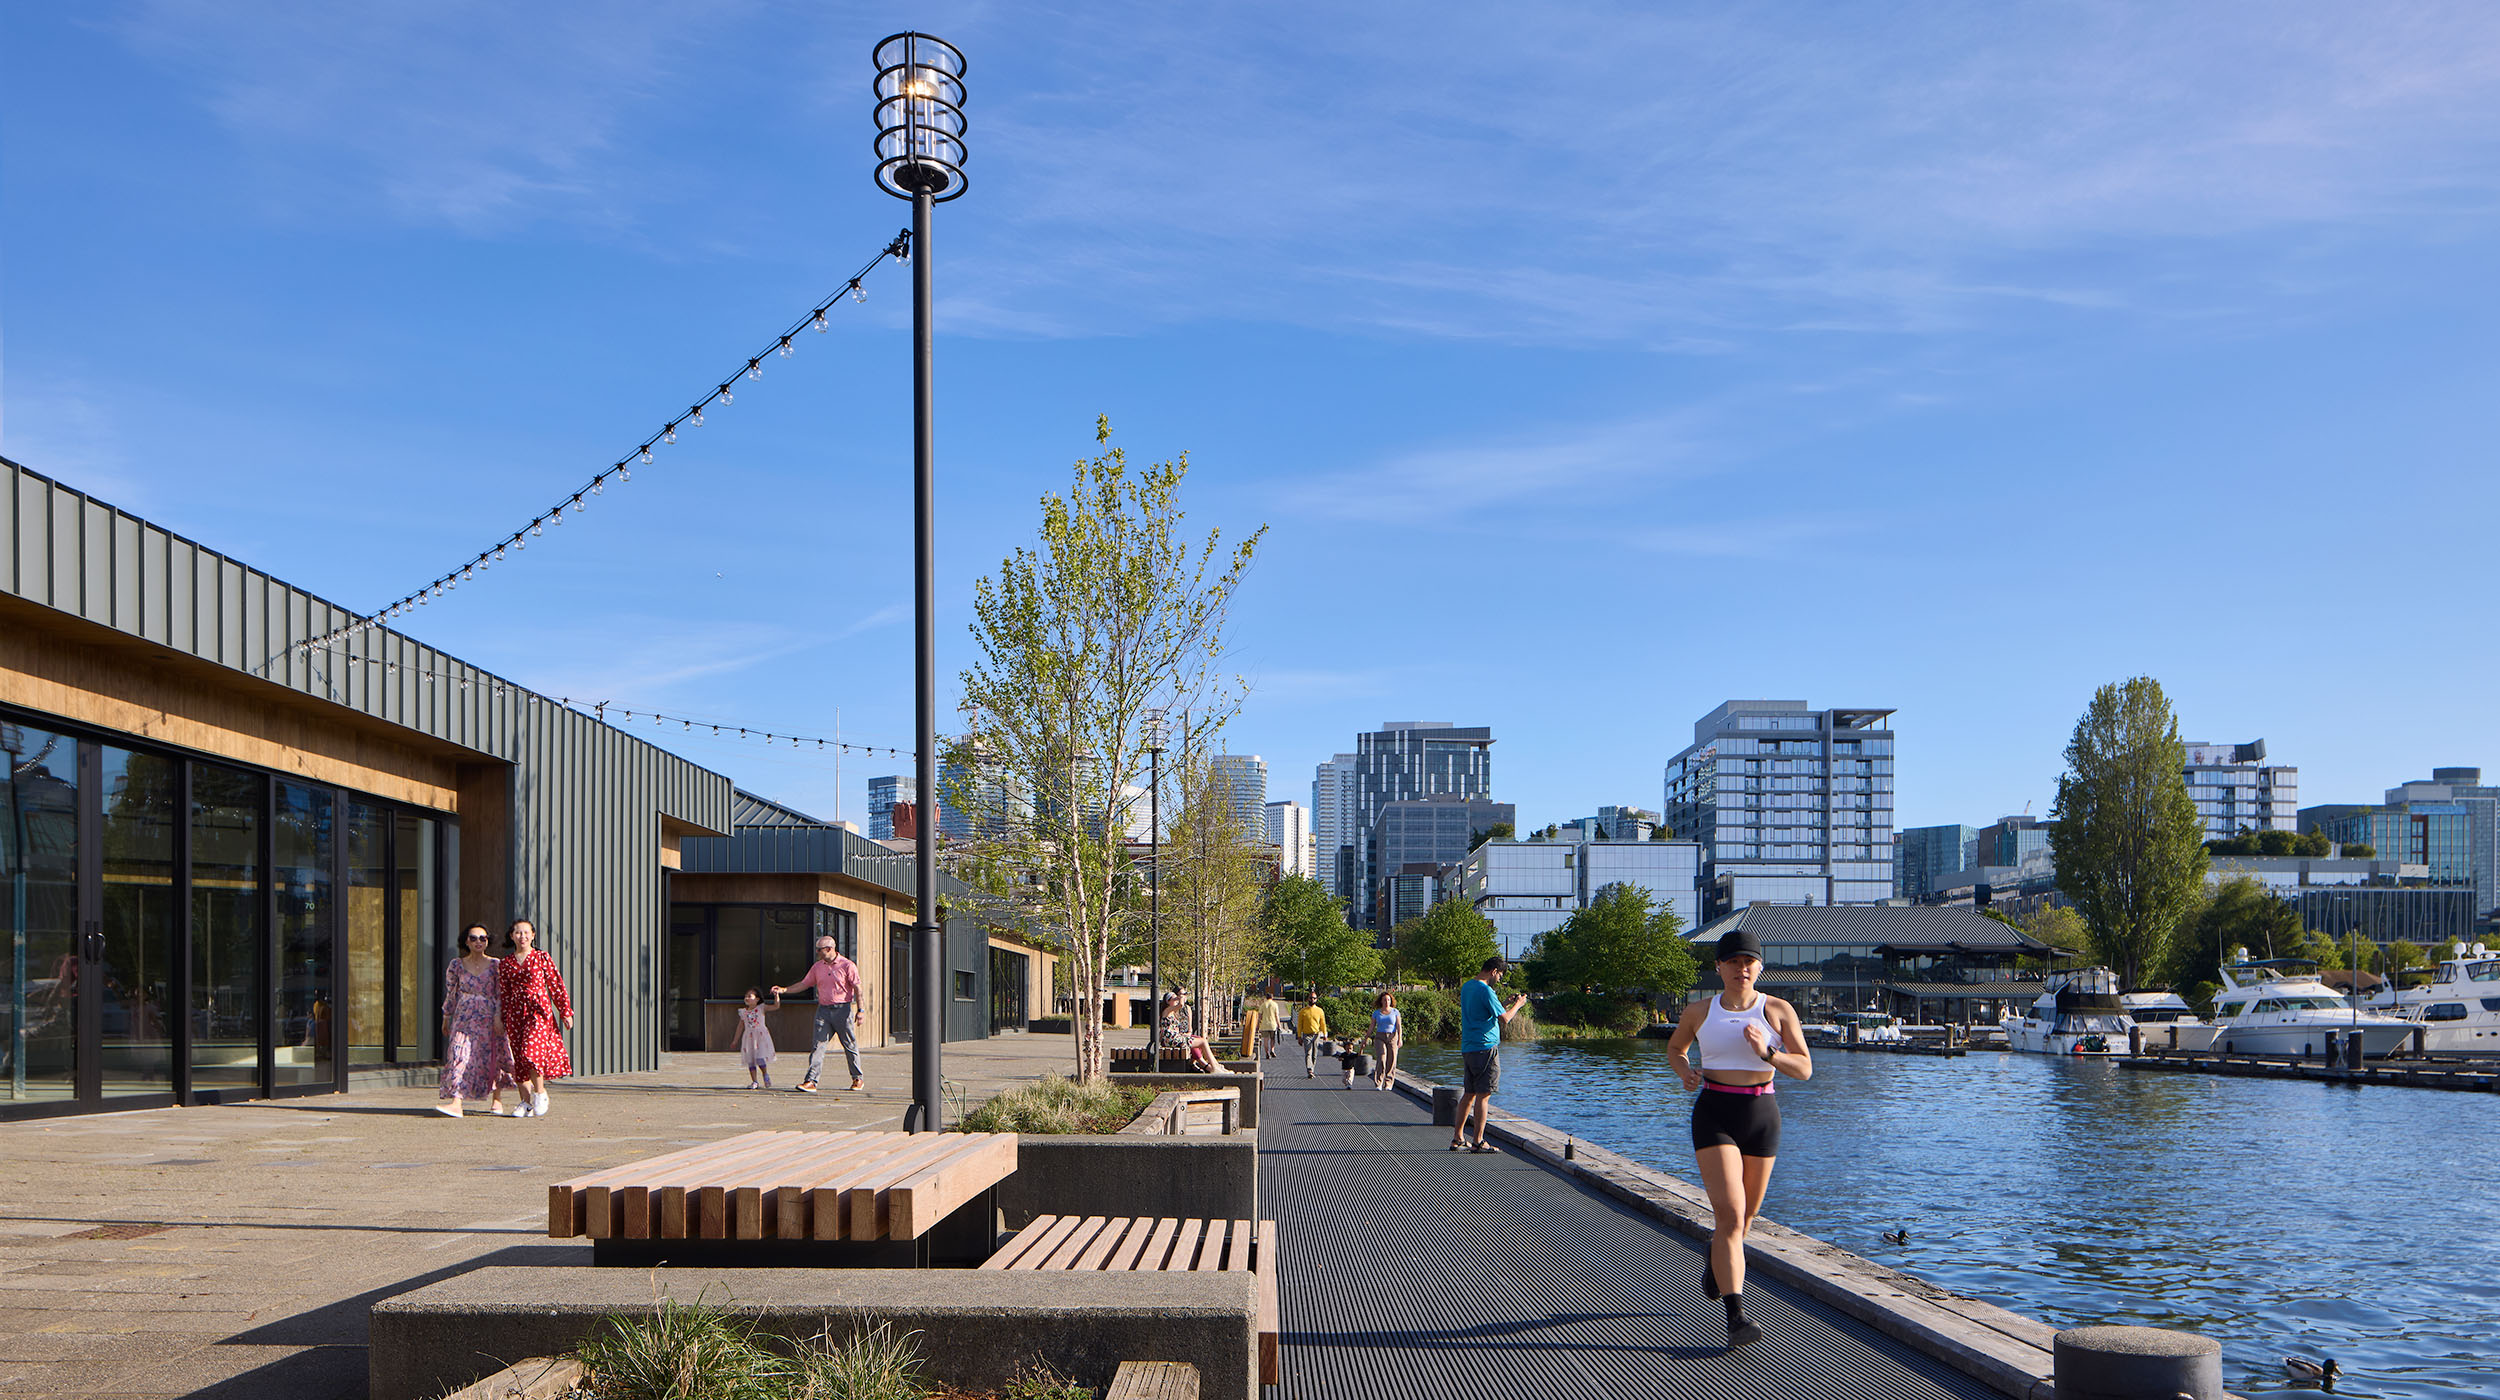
(928, 942)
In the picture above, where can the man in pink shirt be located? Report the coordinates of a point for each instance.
(835, 980)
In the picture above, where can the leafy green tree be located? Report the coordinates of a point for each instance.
(1447, 944)
(1308, 942)
(2057, 926)
(1215, 879)
(1662, 832)
(2241, 913)
(2360, 850)
(1619, 944)
(2128, 843)
(1105, 635)
(2404, 956)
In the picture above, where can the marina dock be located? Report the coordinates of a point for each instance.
(1413, 1271)
(2473, 1077)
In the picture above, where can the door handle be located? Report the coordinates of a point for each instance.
(94, 941)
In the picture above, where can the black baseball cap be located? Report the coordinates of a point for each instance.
(1736, 943)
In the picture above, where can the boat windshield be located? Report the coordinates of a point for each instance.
(2484, 971)
(2313, 1004)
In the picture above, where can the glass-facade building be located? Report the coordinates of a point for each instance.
(1923, 856)
(181, 930)
(2236, 790)
(883, 793)
(1790, 805)
(1405, 761)
(1424, 836)
(2449, 824)
(1243, 777)
(1529, 888)
(1333, 829)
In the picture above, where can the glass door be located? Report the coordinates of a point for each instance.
(227, 997)
(141, 800)
(42, 962)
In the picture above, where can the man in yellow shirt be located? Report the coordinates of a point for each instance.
(1308, 1027)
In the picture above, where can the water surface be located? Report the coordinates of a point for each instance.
(2277, 1217)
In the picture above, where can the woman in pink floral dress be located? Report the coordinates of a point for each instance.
(533, 1000)
(477, 1061)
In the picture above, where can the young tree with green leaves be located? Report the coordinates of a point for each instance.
(1308, 941)
(2129, 845)
(1104, 636)
(1621, 944)
(1215, 880)
(1447, 944)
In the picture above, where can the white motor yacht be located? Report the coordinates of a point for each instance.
(2278, 1006)
(2080, 1013)
(2459, 1012)
(2168, 1022)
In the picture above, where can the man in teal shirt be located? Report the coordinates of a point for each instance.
(1481, 1015)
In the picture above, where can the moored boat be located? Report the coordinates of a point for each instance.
(2168, 1022)
(2459, 1011)
(2277, 1006)
(2079, 1013)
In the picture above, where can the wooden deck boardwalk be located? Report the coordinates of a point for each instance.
(1408, 1270)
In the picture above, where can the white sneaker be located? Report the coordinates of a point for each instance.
(538, 1105)
(523, 1110)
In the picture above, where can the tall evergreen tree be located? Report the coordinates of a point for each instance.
(2129, 845)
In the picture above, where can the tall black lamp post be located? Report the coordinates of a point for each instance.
(920, 157)
(1154, 896)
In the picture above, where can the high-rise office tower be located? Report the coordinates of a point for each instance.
(2236, 790)
(883, 793)
(1408, 761)
(1332, 823)
(1244, 778)
(1289, 831)
(1924, 855)
(1791, 805)
(2449, 824)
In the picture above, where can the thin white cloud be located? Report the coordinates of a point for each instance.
(1452, 480)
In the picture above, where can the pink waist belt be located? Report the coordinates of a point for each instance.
(1709, 1084)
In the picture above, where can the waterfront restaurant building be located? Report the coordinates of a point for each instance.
(1918, 962)
(230, 869)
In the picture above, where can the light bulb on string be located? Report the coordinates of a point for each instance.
(600, 486)
(725, 396)
(819, 322)
(858, 293)
(499, 554)
(669, 437)
(696, 418)
(754, 370)
(646, 456)
(785, 347)
(625, 474)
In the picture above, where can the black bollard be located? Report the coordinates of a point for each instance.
(1444, 1106)
(2352, 1050)
(2126, 1363)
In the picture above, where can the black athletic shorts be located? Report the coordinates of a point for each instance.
(1483, 1071)
(1750, 1123)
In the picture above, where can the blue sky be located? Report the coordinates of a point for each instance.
(1591, 364)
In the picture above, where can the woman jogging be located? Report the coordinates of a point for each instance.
(1746, 1040)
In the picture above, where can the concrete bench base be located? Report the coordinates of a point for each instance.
(1247, 1083)
(1213, 1178)
(976, 1328)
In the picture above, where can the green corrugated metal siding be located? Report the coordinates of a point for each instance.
(587, 798)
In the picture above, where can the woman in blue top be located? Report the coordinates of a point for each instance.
(1746, 1040)
(1387, 1028)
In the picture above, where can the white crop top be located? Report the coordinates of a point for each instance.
(1722, 1036)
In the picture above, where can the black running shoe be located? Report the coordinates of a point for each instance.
(1742, 1333)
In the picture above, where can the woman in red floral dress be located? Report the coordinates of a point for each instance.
(533, 999)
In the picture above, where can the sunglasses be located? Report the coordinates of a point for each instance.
(473, 938)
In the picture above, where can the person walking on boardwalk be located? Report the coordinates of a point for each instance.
(835, 980)
(1481, 1016)
(533, 998)
(1309, 1024)
(477, 1060)
(1746, 1041)
(1388, 1033)
(1258, 1023)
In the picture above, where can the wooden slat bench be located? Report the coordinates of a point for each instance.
(1154, 1380)
(822, 1187)
(1116, 1242)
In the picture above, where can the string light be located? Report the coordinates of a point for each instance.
(604, 708)
(899, 249)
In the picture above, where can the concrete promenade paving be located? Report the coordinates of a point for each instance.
(287, 1219)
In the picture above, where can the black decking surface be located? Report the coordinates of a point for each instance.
(1409, 1270)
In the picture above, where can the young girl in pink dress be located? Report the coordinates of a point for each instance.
(755, 1041)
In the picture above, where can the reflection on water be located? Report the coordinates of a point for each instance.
(2278, 1217)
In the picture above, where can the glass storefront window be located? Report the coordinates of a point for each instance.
(303, 833)
(226, 1003)
(421, 955)
(142, 792)
(39, 962)
(368, 925)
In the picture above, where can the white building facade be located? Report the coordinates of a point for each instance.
(1530, 887)
(2236, 790)
(1289, 831)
